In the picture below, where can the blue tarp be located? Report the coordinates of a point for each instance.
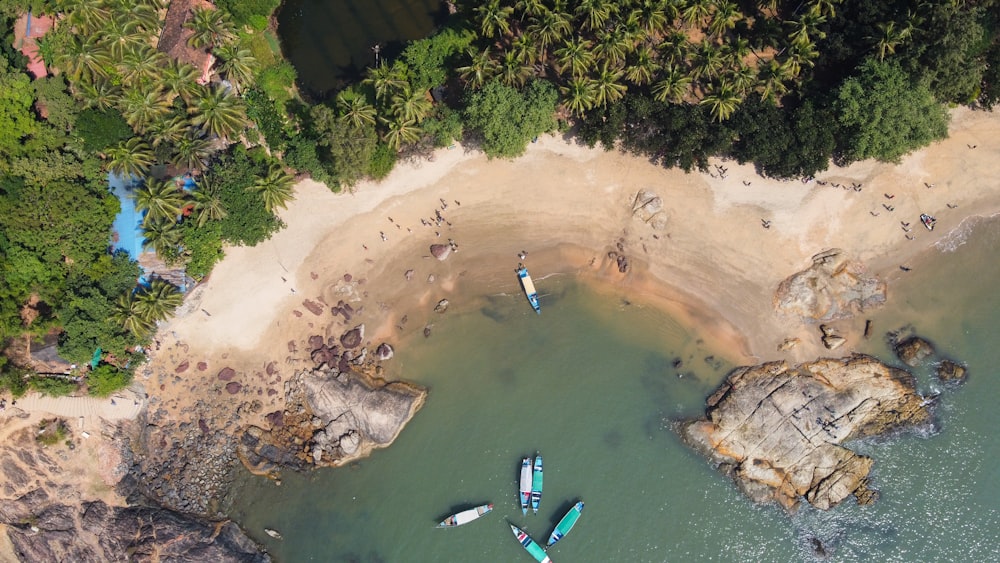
(128, 222)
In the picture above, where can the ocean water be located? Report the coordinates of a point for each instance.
(591, 385)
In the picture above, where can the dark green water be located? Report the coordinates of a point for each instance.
(590, 385)
(330, 41)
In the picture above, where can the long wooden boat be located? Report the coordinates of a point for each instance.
(530, 545)
(565, 524)
(529, 288)
(466, 516)
(525, 484)
(536, 484)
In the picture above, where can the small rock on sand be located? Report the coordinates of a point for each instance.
(233, 387)
(202, 366)
(442, 306)
(440, 251)
(408, 275)
(182, 367)
(227, 373)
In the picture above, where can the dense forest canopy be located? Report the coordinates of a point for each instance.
(787, 85)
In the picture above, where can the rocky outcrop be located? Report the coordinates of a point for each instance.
(834, 287)
(913, 350)
(777, 430)
(331, 417)
(440, 251)
(950, 372)
(41, 528)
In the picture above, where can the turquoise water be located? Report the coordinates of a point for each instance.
(590, 384)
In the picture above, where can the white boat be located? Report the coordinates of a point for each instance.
(466, 516)
(526, 473)
(273, 533)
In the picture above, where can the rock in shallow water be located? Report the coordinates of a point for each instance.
(913, 350)
(777, 429)
(951, 372)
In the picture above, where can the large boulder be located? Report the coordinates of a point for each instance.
(950, 372)
(913, 350)
(833, 287)
(353, 338)
(778, 430)
(440, 251)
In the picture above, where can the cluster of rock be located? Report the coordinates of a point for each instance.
(778, 430)
(619, 257)
(648, 208)
(914, 350)
(833, 287)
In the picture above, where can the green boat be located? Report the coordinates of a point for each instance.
(530, 545)
(536, 484)
(566, 524)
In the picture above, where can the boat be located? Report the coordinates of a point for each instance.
(525, 484)
(273, 533)
(529, 288)
(565, 524)
(536, 484)
(530, 545)
(928, 221)
(466, 516)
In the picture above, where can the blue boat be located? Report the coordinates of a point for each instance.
(565, 524)
(536, 484)
(529, 288)
(530, 545)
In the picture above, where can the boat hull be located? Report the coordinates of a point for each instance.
(530, 545)
(536, 484)
(565, 524)
(525, 490)
(466, 516)
(529, 288)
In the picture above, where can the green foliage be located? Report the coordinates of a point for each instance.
(444, 128)
(382, 161)
(262, 111)
(506, 119)
(783, 142)
(302, 156)
(247, 222)
(51, 432)
(276, 81)
(257, 22)
(884, 114)
(59, 105)
(428, 60)
(203, 247)
(106, 379)
(17, 120)
(245, 11)
(348, 147)
(12, 378)
(53, 387)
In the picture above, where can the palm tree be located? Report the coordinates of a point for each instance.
(276, 188)
(386, 79)
(800, 55)
(743, 79)
(494, 18)
(575, 55)
(100, 94)
(532, 7)
(180, 79)
(212, 28)
(161, 200)
(126, 314)
(141, 110)
(889, 38)
(579, 95)
(354, 109)
(696, 11)
(675, 47)
(156, 302)
(191, 153)
(400, 133)
(140, 64)
(119, 34)
(824, 7)
(642, 67)
(771, 77)
(739, 48)
(219, 113)
(479, 70)
(548, 29)
(807, 24)
(673, 85)
(239, 65)
(85, 15)
(162, 237)
(131, 158)
(722, 101)
(83, 58)
(596, 13)
(167, 131)
(607, 86)
(511, 72)
(653, 16)
(724, 18)
(410, 106)
(710, 60)
(524, 46)
(207, 204)
(611, 47)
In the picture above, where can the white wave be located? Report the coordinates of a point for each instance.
(960, 234)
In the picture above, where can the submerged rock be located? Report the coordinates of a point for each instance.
(950, 372)
(384, 352)
(777, 430)
(442, 306)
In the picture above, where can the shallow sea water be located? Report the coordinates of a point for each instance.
(590, 384)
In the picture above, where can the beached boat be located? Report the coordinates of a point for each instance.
(525, 484)
(530, 545)
(273, 533)
(565, 524)
(928, 221)
(529, 288)
(536, 484)
(466, 516)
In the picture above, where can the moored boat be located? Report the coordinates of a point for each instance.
(273, 533)
(525, 491)
(928, 221)
(466, 516)
(536, 484)
(529, 288)
(530, 545)
(565, 524)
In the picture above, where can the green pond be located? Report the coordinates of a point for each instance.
(591, 385)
